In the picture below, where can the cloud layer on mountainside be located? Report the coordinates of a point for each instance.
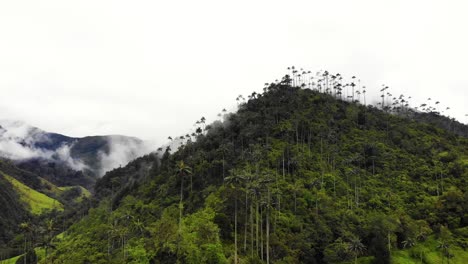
(20, 141)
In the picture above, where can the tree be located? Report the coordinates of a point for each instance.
(182, 171)
(445, 237)
(356, 247)
(26, 228)
(408, 243)
(235, 180)
(49, 235)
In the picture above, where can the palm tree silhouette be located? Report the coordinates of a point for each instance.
(356, 247)
(444, 246)
(235, 180)
(182, 171)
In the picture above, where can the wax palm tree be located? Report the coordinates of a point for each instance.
(138, 226)
(364, 94)
(182, 171)
(296, 187)
(234, 181)
(203, 121)
(48, 240)
(356, 247)
(408, 243)
(444, 246)
(112, 233)
(26, 228)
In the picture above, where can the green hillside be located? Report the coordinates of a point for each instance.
(28, 203)
(82, 193)
(36, 202)
(295, 176)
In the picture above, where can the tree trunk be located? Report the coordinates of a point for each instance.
(295, 200)
(283, 166)
(235, 232)
(256, 225)
(181, 200)
(373, 167)
(261, 233)
(321, 161)
(442, 183)
(181, 206)
(245, 223)
(389, 246)
(251, 230)
(268, 230)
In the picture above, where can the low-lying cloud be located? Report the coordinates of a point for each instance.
(63, 154)
(122, 150)
(19, 141)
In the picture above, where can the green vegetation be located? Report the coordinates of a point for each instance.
(37, 202)
(295, 176)
(11, 260)
(82, 193)
(34, 210)
(429, 252)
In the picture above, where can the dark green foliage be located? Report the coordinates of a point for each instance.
(57, 173)
(12, 212)
(29, 258)
(295, 176)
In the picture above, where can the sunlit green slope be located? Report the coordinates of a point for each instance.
(36, 202)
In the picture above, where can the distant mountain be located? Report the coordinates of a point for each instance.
(66, 160)
(25, 195)
(44, 173)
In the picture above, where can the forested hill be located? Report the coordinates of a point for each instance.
(295, 176)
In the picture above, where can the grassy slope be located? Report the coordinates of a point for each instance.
(37, 202)
(430, 254)
(57, 191)
(84, 192)
(10, 260)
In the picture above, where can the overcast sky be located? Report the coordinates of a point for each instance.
(152, 68)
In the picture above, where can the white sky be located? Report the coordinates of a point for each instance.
(152, 68)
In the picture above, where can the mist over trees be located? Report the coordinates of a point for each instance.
(304, 172)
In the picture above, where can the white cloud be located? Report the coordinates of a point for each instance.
(121, 151)
(18, 141)
(64, 155)
(151, 68)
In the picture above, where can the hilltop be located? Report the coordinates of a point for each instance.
(297, 175)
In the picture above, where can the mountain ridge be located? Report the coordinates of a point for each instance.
(295, 176)
(89, 154)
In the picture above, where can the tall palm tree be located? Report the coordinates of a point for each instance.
(50, 228)
(356, 247)
(235, 180)
(364, 93)
(444, 246)
(182, 171)
(408, 243)
(203, 121)
(26, 228)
